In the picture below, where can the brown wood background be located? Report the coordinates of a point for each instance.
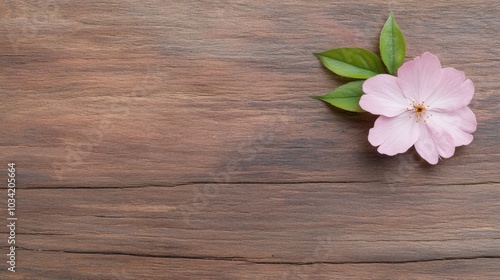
(176, 140)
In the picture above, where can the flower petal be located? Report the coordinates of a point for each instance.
(459, 124)
(434, 142)
(442, 138)
(453, 92)
(426, 147)
(394, 135)
(420, 77)
(383, 96)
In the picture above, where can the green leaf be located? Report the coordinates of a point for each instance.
(392, 45)
(352, 62)
(345, 97)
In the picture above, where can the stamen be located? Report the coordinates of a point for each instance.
(419, 110)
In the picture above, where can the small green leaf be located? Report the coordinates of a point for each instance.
(392, 45)
(345, 97)
(352, 62)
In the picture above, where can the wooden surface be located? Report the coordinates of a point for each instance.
(176, 140)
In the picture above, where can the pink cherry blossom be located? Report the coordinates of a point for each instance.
(425, 106)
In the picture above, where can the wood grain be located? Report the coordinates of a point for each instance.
(176, 140)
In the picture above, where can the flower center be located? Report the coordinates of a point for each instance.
(419, 111)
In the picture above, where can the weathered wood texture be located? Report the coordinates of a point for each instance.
(176, 140)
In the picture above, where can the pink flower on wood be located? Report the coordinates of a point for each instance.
(425, 106)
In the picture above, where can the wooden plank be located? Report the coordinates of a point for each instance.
(283, 227)
(202, 221)
(176, 140)
(139, 93)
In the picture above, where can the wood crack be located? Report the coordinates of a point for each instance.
(256, 183)
(253, 261)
